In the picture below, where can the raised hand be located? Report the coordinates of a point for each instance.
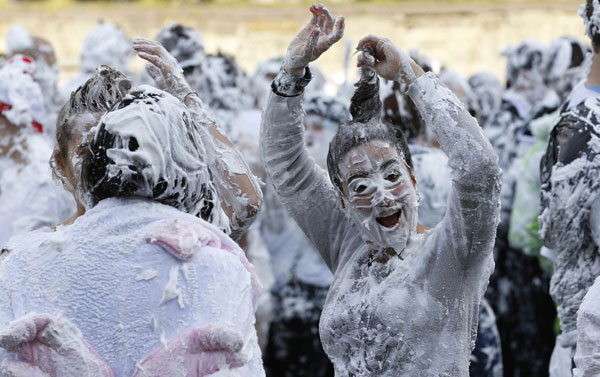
(163, 68)
(47, 346)
(317, 37)
(197, 353)
(389, 61)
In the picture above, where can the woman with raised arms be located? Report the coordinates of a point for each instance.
(404, 299)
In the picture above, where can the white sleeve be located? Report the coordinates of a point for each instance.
(587, 358)
(469, 226)
(595, 222)
(302, 186)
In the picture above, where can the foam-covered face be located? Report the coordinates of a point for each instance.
(380, 194)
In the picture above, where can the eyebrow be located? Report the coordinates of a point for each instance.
(387, 164)
(359, 174)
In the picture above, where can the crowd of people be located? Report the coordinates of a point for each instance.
(196, 220)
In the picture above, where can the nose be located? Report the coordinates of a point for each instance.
(383, 197)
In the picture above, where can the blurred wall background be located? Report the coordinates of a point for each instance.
(466, 36)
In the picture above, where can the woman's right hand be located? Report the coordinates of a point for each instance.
(388, 60)
(312, 41)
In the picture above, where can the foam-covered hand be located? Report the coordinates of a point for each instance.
(388, 60)
(47, 346)
(201, 352)
(163, 68)
(317, 36)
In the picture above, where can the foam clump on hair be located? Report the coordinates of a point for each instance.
(97, 95)
(184, 43)
(21, 96)
(149, 146)
(106, 44)
(590, 12)
(18, 39)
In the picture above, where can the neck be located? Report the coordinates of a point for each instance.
(79, 212)
(594, 76)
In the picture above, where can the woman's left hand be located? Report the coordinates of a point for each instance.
(163, 68)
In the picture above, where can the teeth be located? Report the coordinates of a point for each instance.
(389, 213)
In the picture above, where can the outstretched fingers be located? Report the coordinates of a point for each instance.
(312, 24)
(311, 46)
(338, 32)
(328, 20)
(155, 60)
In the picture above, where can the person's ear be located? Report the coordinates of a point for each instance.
(414, 181)
(58, 167)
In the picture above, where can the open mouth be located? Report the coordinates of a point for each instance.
(391, 220)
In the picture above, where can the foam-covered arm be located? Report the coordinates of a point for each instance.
(595, 222)
(587, 358)
(302, 186)
(473, 209)
(238, 187)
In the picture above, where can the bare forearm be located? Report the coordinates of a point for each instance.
(239, 188)
(241, 197)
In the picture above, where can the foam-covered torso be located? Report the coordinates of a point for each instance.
(108, 274)
(406, 317)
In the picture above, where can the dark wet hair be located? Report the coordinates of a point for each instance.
(365, 126)
(97, 95)
(184, 43)
(589, 12)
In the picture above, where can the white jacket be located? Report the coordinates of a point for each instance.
(108, 274)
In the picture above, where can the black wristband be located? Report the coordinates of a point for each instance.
(287, 85)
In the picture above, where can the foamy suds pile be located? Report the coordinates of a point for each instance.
(29, 197)
(592, 24)
(157, 144)
(488, 93)
(185, 44)
(568, 196)
(19, 90)
(106, 44)
(18, 39)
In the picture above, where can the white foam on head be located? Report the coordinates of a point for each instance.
(592, 24)
(19, 90)
(18, 39)
(106, 44)
(169, 149)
